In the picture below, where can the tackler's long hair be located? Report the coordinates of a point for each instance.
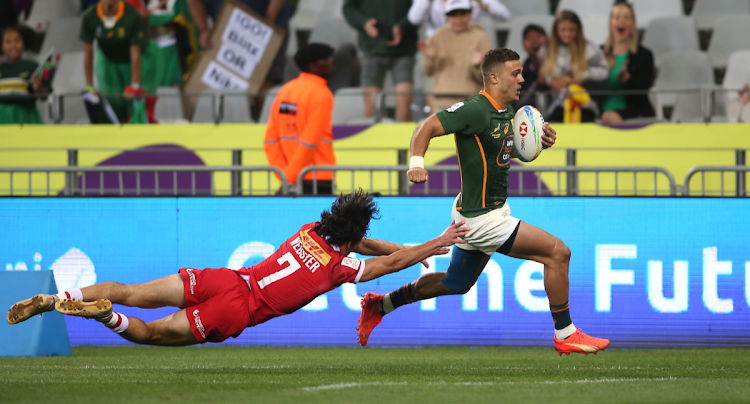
(349, 218)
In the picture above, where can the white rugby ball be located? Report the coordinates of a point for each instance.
(527, 128)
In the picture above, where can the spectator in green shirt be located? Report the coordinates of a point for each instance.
(125, 50)
(20, 82)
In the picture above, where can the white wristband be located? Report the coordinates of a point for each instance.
(416, 162)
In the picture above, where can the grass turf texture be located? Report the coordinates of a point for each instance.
(321, 375)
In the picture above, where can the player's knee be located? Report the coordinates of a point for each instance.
(561, 253)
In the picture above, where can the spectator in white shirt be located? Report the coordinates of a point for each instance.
(432, 13)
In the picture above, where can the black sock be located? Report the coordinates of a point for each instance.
(561, 315)
(399, 297)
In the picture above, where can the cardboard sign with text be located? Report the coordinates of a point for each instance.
(244, 47)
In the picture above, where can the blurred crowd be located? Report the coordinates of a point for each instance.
(133, 47)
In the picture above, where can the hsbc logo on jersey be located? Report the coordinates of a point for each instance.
(523, 129)
(199, 324)
(352, 263)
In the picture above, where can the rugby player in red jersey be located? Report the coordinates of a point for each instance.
(218, 303)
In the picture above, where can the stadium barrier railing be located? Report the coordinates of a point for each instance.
(738, 172)
(134, 180)
(713, 103)
(566, 184)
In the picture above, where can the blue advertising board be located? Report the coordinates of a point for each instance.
(643, 272)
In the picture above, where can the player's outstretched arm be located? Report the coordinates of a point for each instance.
(375, 248)
(420, 140)
(379, 266)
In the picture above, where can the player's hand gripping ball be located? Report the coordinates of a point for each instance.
(527, 127)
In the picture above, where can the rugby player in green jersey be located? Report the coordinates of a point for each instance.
(483, 128)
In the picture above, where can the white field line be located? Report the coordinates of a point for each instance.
(582, 381)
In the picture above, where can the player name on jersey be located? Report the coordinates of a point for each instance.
(304, 256)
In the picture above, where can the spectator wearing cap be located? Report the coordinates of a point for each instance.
(534, 39)
(431, 13)
(388, 41)
(300, 130)
(453, 56)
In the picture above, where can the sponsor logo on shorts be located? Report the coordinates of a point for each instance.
(352, 263)
(191, 275)
(199, 324)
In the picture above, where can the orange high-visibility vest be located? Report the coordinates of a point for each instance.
(300, 130)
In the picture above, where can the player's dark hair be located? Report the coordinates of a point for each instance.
(349, 218)
(495, 59)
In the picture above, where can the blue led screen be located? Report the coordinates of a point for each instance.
(644, 271)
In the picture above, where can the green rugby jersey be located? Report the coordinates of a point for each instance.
(15, 83)
(484, 142)
(115, 42)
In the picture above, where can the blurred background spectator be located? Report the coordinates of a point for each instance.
(300, 129)
(453, 56)
(388, 41)
(170, 20)
(572, 60)
(21, 82)
(631, 67)
(276, 12)
(534, 40)
(432, 13)
(125, 50)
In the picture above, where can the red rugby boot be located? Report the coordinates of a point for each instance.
(370, 316)
(580, 343)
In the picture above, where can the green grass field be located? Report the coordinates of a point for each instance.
(322, 375)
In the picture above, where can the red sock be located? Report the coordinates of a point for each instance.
(151, 108)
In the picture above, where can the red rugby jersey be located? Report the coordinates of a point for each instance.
(304, 267)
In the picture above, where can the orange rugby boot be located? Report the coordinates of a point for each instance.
(580, 343)
(370, 316)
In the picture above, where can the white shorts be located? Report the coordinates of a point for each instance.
(488, 231)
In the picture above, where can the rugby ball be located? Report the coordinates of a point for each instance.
(527, 128)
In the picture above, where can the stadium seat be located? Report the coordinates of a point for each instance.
(334, 32)
(737, 75)
(669, 34)
(266, 111)
(526, 7)
(681, 70)
(68, 83)
(169, 105)
(349, 106)
(692, 106)
(62, 36)
(705, 12)
(309, 12)
(206, 108)
(647, 10)
(595, 28)
(43, 13)
(586, 7)
(731, 33)
(514, 29)
(235, 106)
